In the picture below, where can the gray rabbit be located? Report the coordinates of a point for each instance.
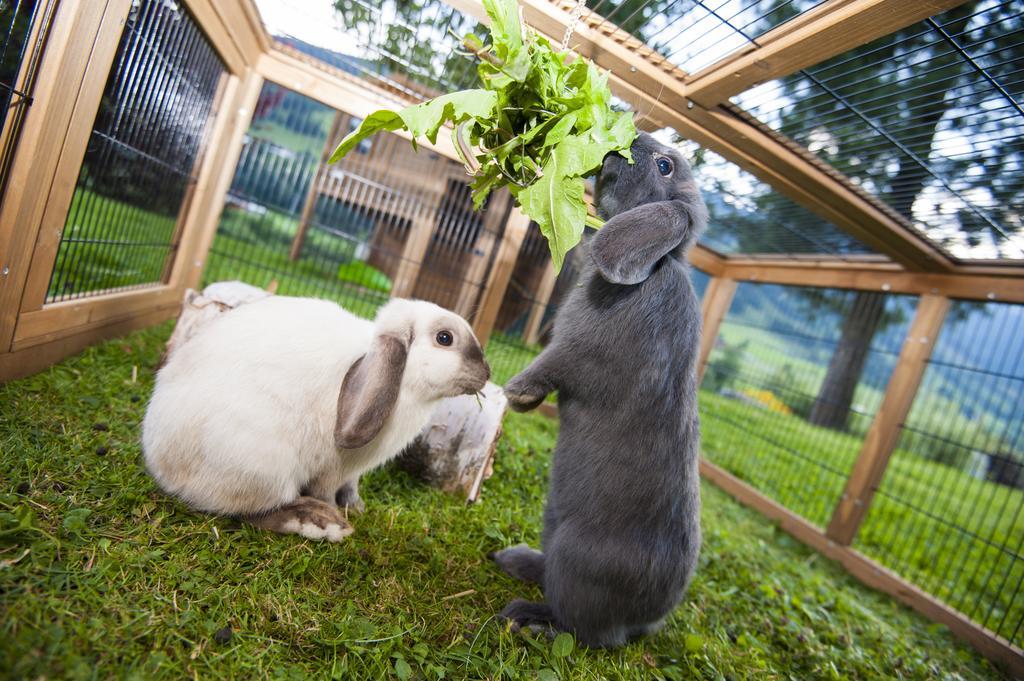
(622, 521)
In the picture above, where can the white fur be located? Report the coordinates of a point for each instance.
(242, 416)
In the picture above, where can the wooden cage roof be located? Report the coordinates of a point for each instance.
(712, 79)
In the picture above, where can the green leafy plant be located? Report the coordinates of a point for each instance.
(541, 123)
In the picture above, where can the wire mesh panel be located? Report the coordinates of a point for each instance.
(692, 34)
(792, 385)
(384, 221)
(747, 216)
(16, 20)
(949, 513)
(15, 27)
(526, 318)
(928, 119)
(142, 159)
(409, 47)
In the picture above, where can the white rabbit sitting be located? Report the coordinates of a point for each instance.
(273, 411)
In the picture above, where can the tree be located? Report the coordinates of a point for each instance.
(414, 39)
(897, 108)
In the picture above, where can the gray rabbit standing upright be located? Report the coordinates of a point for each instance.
(622, 521)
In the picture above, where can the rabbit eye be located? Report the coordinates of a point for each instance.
(664, 166)
(444, 338)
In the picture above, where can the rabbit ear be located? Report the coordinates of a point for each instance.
(369, 392)
(628, 246)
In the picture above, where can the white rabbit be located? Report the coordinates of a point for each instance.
(273, 411)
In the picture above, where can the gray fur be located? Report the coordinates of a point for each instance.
(369, 392)
(622, 521)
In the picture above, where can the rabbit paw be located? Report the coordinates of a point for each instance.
(522, 400)
(306, 517)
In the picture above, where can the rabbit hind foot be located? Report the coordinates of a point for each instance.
(307, 517)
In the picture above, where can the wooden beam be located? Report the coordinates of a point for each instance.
(201, 226)
(501, 273)
(27, 361)
(878, 277)
(309, 205)
(414, 251)
(768, 156)
(869, 572)
(884, 434)
(83, 35)
(341, 91)
(706, 260)
(539, 305)
(494, 217)
(255, 21)
(75, 317)
(808, 39)
(717, 300)
(611, 48)
(218, 33)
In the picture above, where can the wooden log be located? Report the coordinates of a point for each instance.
(455, 450)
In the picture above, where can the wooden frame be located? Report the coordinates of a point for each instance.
(501, 273)
(82, 43)
(884, 434)
(869, 572)
(40, 153)
(808, 39)
(715, 305)
(877, 277)
(83, 39)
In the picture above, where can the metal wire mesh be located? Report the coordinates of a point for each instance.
(141, 162)
(348, 231)
(692, 34)
(928, 119)
(15, 27)
(525, 321)
(746, 216)
(949, 514)
(793, 384)
(410, 48)
(16, 21)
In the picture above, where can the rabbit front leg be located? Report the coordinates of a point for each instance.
(332, 488)
(347, 497)
(527, 389)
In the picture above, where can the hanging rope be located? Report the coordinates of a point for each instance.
(574, 19)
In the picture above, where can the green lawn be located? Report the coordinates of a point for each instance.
(91, 267)
(922, 523)
(102, 576)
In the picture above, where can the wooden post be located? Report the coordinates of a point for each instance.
(540, 304)
(225, 152)
(415, 250)
(501, 273)
(885, 430)
(314, 187)
(496, 213)
(717, 299)
(81, 35)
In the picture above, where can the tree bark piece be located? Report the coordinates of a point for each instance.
(455, 450)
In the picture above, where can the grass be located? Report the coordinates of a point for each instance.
(922, 522)
(100, 266)
(103, 576)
